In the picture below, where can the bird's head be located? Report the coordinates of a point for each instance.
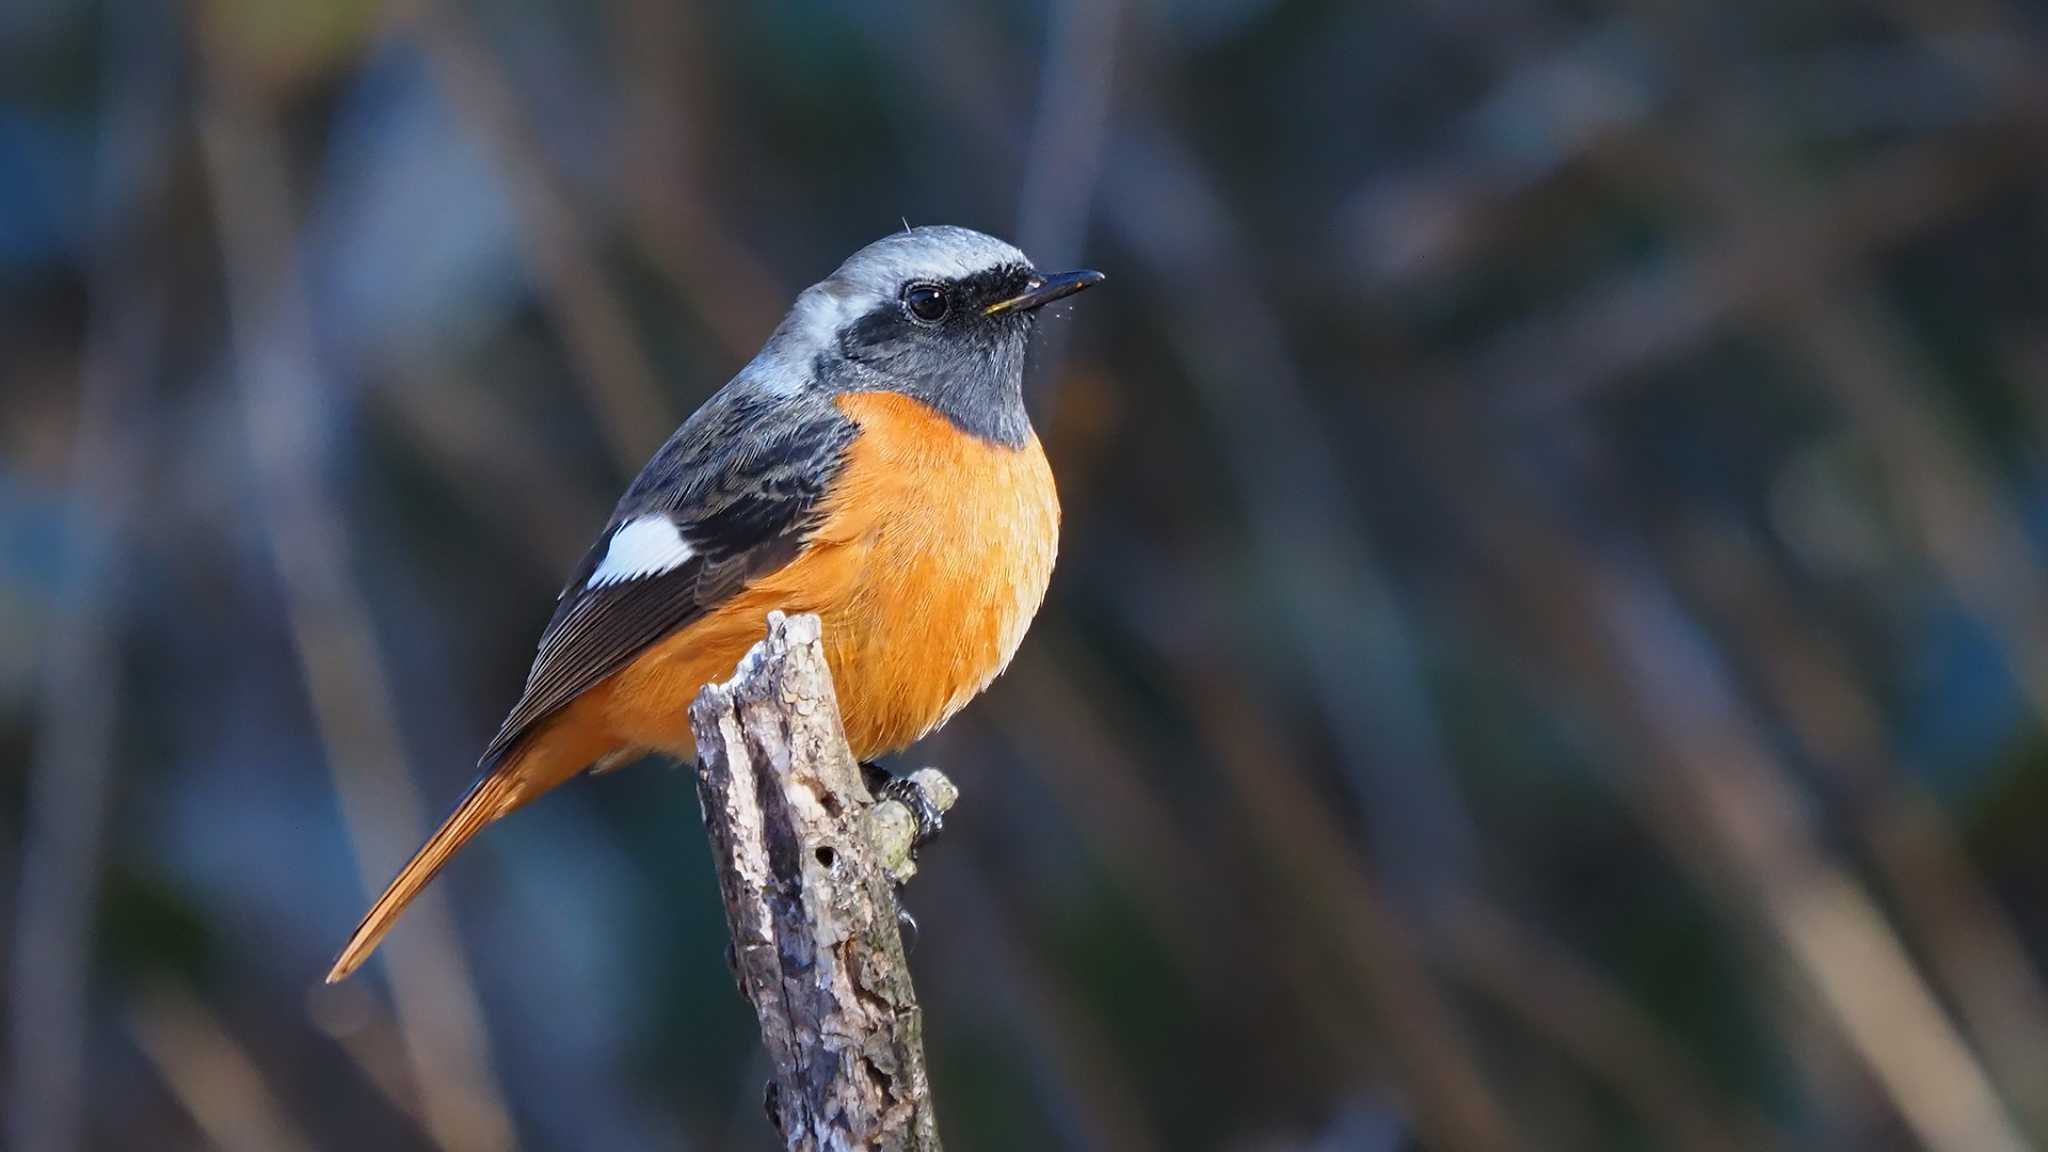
(940, 314)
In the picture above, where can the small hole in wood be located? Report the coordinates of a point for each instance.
(827, 857)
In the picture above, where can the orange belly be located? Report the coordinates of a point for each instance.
(932, 558)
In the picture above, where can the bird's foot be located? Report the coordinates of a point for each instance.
(931, 819)
(908, 812)
(925, 794)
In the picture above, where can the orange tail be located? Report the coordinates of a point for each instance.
(490, 797)
(533, 766)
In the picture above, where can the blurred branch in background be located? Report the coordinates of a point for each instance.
(1864, 360)
(82, 695)
(1310, 555)
(1331, 895)
(1178, 882)
(668, 169)
(509, 475)
(360, 1024)
(1360, 670)
(1585, 1015)
(332, 625)
(1091, 1097)
(211, 1075)
(1970, 535)
(1954, 921)
(1815, 906)
(1635, 662)
(1063, 160)
(1643, 318)
(631, 407)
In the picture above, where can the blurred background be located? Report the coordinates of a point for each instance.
(1550, 648)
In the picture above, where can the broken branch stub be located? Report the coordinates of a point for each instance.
(810, 901)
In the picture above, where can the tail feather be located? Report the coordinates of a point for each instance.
(492, 796)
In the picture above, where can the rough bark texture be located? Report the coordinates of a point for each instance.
(810, 901)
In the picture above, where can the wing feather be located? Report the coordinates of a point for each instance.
(742, 482)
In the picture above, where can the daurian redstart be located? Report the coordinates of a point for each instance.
(873, 464)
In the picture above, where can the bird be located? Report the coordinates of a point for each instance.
(873, 464)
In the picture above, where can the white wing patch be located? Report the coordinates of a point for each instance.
(647, 546)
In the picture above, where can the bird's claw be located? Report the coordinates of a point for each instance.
(907, 929)
(930, 821)
(886, 785)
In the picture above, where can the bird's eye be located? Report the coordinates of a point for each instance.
(927, 302)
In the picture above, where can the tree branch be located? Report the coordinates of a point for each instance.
(806, 864)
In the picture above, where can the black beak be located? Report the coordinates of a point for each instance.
(1043, 290)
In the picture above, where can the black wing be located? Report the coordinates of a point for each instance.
(742, 481)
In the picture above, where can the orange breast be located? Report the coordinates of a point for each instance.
(956, 538)
(932, 558)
